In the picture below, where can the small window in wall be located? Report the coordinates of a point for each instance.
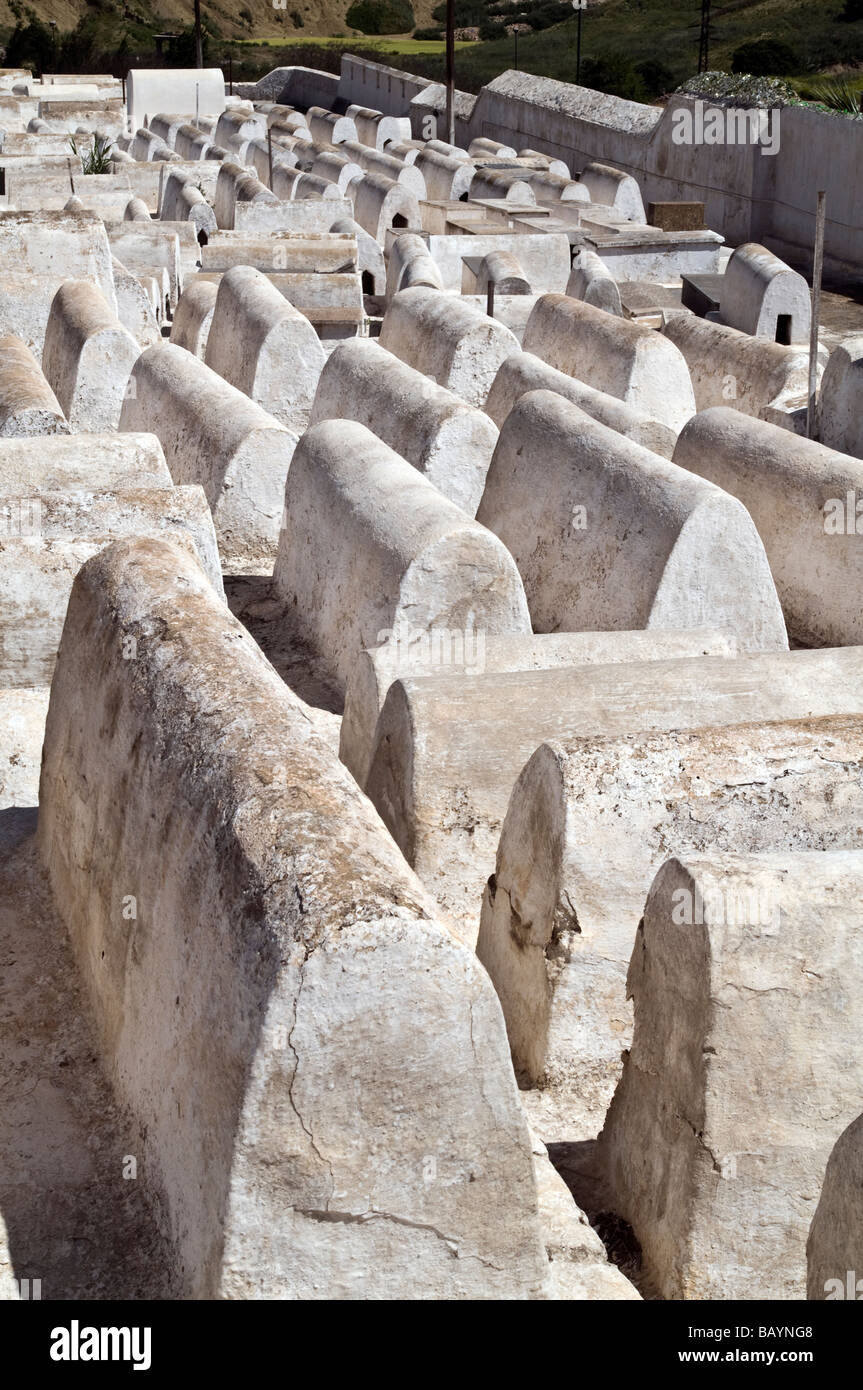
(2, 183)
(399, 221)
(202, 237)
(783, 329)
(368, 282)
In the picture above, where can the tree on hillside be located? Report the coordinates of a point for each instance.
(31, 45)
(765, 58)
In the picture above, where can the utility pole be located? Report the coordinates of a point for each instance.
(817, 269)
(515, 36)
(579, 6)
(704, 40)
(450, 71)
(199, 46)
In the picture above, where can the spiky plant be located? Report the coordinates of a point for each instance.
(838, 94)
(96, 160)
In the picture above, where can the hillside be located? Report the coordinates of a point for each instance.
(169, 16)
(637, 48)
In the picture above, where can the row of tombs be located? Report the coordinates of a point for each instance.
(437, 667)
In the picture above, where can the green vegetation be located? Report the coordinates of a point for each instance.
(620, 38)
(97, 159)
(765, 58)
(836, 94)
(635, 48)
(381, 16)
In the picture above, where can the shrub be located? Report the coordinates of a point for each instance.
(96, 160)
(837, 94)
(467, 13)
(765, 58)
(428, 33)
(31, 45)
(614, 74)
(381, 16)
(657, 78)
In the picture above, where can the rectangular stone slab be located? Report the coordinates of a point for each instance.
(449, 748)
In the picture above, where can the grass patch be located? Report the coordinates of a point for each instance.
(379, 44)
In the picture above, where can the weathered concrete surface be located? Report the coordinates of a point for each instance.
(840, 405)
(28, 406)
(370, 256)
(332, 303)
(760, 378)
(55, 534)
(617, 356)
(329, 128)
(150, 91)
(380, 203)
(75, 463)
(580, 1269)
(134, 309)
(543, 256)
(797, 493)
(236, 185)
(235, 127)
(502, 270)
(592, 282)
(607, 535)
(265, 347)
(452, 342)
(68, 245)
(502, 186)
(588, 825)
(523, 372)
(147, 249)
(88, 357)
(614, 188)
(216, 436)
(193, 317)
(25, 304)
(280, 252)
(378, 667)
(22, 720)
(369, 545)
(450, 442)
(376, 129)
(409, 265)
(712, 1122)
(833, 1249)
(369, 161)
(136, 211)
(759, 290)
(336, 169)
(282, 923)
(204, 174)
(183, 201)
(306, 214)
(449, 748)
(447, 178)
